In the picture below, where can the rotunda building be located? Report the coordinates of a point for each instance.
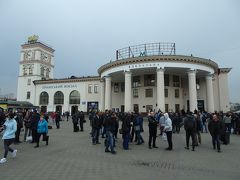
(152, 77)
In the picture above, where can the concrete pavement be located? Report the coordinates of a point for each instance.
(72, 156)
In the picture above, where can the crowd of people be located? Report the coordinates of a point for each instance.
(35, 125)
(110, 125)
(194, 123)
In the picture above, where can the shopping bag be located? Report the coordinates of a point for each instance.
(164, 136)
(29, 139)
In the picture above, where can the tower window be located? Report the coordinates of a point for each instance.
(24, 71)
(42, 71)
(47, 73)
(28, 95)
(30, 71)
(29, 82)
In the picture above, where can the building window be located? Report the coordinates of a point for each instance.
(135, 93)
(44, 98)
(74, 97)
(176, 93)
(30, 71)
(166, 108)
(166, 92)
(122, 87)
(42, 71)
(148, 92)
(28, 95)
(24, 71)
(29, 82)
(166, 79)
(136, 81)
(116, 87)
(149, 108)
(47, 73)
(89, 88)
(149, 80)
(177, 107)
(95, 88)
(58, 98)
(176, 81)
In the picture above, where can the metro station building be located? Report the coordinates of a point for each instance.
(142, 78)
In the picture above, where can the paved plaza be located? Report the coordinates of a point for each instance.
(72, 156)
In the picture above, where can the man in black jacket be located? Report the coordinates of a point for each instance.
(152, 124)
(96, 125)
(190, 127)
(215, 128)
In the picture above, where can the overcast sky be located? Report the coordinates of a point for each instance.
(86, 33)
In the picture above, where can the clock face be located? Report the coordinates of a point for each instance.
(44, 56)
(29, 55)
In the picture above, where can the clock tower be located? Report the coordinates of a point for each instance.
(36, 63)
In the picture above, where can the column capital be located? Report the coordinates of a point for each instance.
(192, 72)
(127, 72)
(160, 69)
(209, 76)
(108, 77)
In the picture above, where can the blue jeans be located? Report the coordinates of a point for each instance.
(110, 141)
(204, 128)
(126, 139)
(215, 139)
(95, 136)
(139, 137)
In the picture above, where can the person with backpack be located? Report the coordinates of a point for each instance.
(190, 127)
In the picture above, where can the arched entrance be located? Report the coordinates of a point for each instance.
(59, 109)
(43, 109)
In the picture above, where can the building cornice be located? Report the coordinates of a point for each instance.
(160, 58)
(68, 80)
(37, 44)
(224, 70)
(36, 61)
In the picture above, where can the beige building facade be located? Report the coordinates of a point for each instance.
(142, 78)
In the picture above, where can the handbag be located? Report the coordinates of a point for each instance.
(84, 120)
(45, 138)
(120, 131)
(164, 136)
(29, 138)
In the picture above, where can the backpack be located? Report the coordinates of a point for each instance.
(189, 123)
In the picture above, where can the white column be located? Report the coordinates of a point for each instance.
(192, 90)
(210, 102)
(160, 90)
(102, 98)
(108, 93)
(128, 92)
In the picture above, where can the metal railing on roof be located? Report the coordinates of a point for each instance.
(150, 49)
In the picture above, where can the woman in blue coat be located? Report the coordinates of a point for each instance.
(9, 127)
(42, 129)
